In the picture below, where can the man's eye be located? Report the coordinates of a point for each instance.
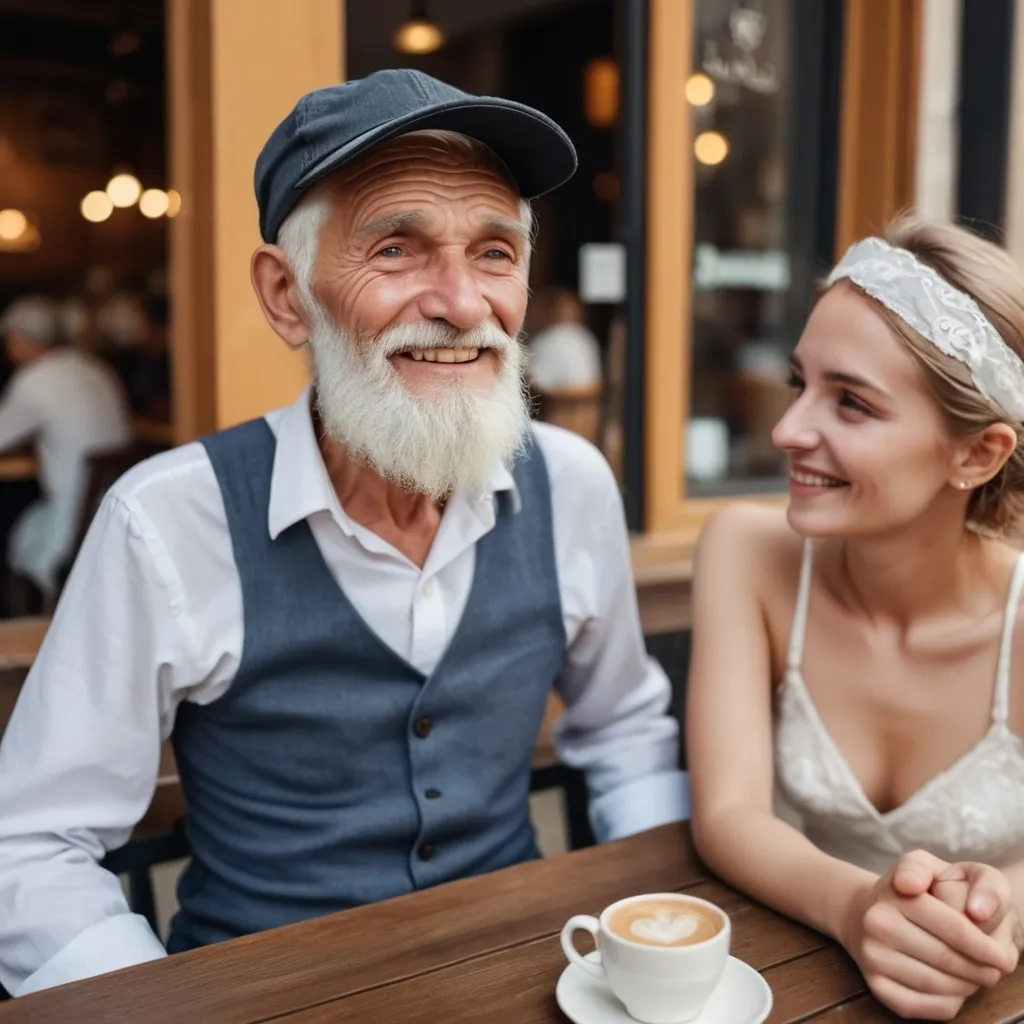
(390, 251)
(497, 254)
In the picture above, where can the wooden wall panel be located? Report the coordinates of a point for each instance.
(878, 127)
(236, 68)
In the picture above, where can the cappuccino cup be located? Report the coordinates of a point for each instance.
(662, 954)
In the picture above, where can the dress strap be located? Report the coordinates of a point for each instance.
(803, 598)
(1001, 702)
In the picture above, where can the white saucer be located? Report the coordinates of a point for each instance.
(742, 997)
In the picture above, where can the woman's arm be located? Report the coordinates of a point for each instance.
(729, 734)
(919, 955)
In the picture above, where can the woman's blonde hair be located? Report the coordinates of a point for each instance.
(988, 274)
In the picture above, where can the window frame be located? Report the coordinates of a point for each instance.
(874, 179)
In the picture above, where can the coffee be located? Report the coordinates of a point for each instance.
(665, 923)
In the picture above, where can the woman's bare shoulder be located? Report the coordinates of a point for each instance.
(748, 562)
(757, 536)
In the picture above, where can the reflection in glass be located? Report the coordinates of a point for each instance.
(755, 235)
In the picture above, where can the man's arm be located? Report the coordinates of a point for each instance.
(79, 760)
(616, 727)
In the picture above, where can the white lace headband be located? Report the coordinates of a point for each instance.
(949, 318)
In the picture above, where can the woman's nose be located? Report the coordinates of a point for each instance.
(796, 430)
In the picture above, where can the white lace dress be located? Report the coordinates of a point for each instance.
(973, 811)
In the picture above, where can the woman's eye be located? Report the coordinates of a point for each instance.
(795, 382)
(853, 402)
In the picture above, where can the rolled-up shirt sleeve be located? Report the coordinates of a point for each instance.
(79, 763)
(617, 727)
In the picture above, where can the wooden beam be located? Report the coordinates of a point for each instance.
(669, 254)
(236, 67)
(878, 116)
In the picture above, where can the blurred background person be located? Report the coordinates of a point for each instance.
(69, 405)
(564, 367)
(564, 351)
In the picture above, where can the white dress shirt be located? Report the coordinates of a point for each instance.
(71, 405)
(152, 615)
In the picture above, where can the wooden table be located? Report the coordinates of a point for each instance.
(20, 640)
(18, 465)
(481, 950)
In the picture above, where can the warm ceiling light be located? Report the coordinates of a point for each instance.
(601, 92)
(419, 34)
(699, 90)
(711, 148)
(13, 224)
(28, 241)
(124, 190)
(154, 203)
(96, 207)
(173, 202)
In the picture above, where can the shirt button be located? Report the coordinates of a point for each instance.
(426, 851)
(432, 794)
(423, 727)
(428, 588)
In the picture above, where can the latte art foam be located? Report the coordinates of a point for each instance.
(665, 923)
(668, 929)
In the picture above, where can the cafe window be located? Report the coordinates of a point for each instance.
(771, 145)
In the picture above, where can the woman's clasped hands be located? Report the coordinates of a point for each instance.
(928, 934)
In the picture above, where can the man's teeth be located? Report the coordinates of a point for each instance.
(813, 480)
(444, 355)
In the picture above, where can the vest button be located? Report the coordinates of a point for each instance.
(432, 794)
(426, 851)
(423, 727)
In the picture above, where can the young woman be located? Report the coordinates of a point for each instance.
(861, 654)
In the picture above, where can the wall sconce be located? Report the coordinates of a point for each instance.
(18, 233)
(699, 90)
(601, 92)
(419, 34)
(710, 148)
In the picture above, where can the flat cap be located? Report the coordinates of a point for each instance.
(331, 127)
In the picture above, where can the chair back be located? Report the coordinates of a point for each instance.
(579, 409)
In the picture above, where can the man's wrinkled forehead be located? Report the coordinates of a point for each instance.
(427, 154)
(384, 189)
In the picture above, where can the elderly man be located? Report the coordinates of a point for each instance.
(69, 405)
(347, 615)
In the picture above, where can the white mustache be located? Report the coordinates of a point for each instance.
(429, 334)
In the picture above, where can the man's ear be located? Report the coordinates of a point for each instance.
(984, 455)
(274, 284)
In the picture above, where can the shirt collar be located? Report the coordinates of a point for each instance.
(300, 485)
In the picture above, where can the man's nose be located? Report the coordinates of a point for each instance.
(454, 295)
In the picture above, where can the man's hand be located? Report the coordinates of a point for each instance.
(919, 955)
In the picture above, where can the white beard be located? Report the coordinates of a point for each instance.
(451, 440)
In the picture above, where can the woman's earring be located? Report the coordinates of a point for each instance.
(964, 485)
